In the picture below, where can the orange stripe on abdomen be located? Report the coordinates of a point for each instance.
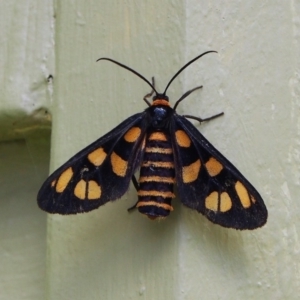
(157, 176)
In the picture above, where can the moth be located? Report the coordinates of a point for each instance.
(167, 149)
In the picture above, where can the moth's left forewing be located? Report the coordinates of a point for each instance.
(99, 173)
(212, 185)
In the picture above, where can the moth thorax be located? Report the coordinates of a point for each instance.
(160, 115)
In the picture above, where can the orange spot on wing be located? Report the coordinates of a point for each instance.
(243, 194)
(132, 134)
(63, 180)
(80, 189)
(212, 201)
(225, 202)
(182, 139)
(119, 165)
(213, 167)
(94, 190)
(190, 173)
(97, 157)
(217, 202)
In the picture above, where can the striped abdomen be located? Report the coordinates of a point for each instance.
(157, 177)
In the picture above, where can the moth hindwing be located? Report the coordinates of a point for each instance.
(167, 149)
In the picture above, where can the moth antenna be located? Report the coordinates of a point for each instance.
(129, 69)
(185, 66)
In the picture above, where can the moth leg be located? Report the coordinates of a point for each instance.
(203, 120)
(136, 185)
(193, 117)
(186, 94)
(149, 94)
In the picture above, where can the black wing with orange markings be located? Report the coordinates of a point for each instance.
(99, 173)
(210, 184)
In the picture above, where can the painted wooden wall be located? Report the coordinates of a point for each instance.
(254, 79)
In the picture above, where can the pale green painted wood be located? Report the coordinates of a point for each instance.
(26, 51)
(23, 164)
(109, 254)
(256, 84)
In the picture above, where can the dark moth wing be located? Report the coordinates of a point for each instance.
(209, 183)
(99, 173)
